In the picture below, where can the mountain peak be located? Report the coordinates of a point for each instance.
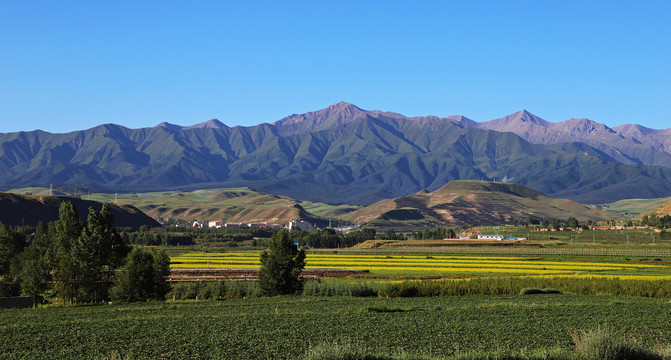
(343, 106)
(168, 125)
(336, 114)
(519, 122)
(582, 128)
(525, 116)
(209, 124)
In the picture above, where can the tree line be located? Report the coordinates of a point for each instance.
(661, 222)
(78, 262)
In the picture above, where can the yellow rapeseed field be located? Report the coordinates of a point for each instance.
(434, 265)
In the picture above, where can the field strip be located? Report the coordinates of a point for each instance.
(395, 268)
(404, 267)
(606, 276)
(422, 266)
(431, 262)
(354, 256)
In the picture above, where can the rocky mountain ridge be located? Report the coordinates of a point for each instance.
(345, 154)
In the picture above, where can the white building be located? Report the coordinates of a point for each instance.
(490, 237)
(299, 225)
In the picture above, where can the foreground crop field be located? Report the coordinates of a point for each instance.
(286, 327)
(440, 265)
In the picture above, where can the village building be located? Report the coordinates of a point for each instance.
(234, 225)
(259, 224)
(215, 224)
(299, 225)
(490, 237)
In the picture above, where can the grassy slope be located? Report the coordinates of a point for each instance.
(459, 202)
(463, 202)
(630, 208)
(285, 327)
(230, 205)
(661, 210)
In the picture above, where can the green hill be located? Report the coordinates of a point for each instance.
(661, 210)
(631, 208)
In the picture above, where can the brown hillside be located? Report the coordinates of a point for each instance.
(472, 202)
(245, 206)
(29, 210)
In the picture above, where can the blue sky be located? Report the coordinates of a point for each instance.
(71, 65)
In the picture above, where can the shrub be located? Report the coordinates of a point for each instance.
(214, 290)
(515, 285)
(143, 277)
(341, 350)
(603, 344)
(531, 291)
(341, 289)
(242, 289)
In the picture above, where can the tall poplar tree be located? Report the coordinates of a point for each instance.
(68, 229)
(12, 244)
(98, 251)
(85, 255)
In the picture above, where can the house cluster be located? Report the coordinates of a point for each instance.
(294, 225)
(497, 237)
(600, 227)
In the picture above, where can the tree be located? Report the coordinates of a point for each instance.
(281, 267)
(572, 222)
(114, 250)
(143, 277)
(11, 245)
(35, 274)
(645, 220)
(68, 229)
(85, 255)
(98, 251)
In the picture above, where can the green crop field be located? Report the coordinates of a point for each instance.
(286, 327)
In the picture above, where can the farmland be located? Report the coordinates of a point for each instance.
(287, 327)
(409, 264)
(422, 298)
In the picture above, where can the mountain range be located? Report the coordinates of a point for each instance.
(343, 154)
